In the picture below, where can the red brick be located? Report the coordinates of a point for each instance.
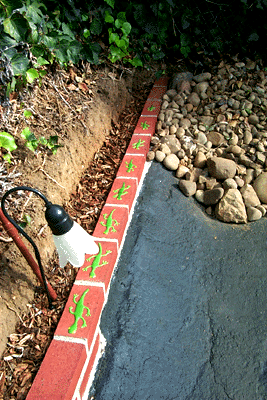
(151, 108)
(139, 144)
(119, 221)
(132, 166)
(103, 273)
(94, 300)
(146, 125)
(122, 192)
(59, 373)
(88, 371)
(157, 93)
(162, 81)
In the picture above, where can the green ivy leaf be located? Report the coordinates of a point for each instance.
(28, 135)
(53, 140)
(43, 141)
(112, 36)
(136, 62)
(126, 28)
(111, 3)
(7, 157)
(96, 27)
(121, 43)
(41, 61)
(86, 33)
(19, 63)
(34, 14)
(118, 23)
(16, 26)
(67, 31)
(42, 73)
(116, 54)
(32, 74)
(27, 114)
(7, 141)
(108, 17)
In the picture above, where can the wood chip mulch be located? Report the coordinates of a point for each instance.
(27, 346)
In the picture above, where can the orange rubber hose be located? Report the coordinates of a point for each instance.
(13, 233)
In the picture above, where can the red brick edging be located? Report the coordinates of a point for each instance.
(67, 370)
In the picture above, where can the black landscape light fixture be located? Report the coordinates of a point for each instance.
(71, 240)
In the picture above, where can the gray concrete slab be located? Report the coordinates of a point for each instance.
(186, 315)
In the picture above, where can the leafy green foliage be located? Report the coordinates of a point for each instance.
(34, 35)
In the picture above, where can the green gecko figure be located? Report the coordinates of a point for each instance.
(121, 191)
(130, 166)
(145, 125)
(78, 313)
(138, 144)
(96, 263)
(109, 223)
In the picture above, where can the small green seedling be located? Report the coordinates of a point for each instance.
(32, 142)
(27, 114)
(26, 221)
(7, 142)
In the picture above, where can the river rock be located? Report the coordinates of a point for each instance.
(185, 123)
(249, 195)
(200, 160)
(221, 168)
(247, 137)
(230, 184)
(236, 150)
(260, 187)
(262, 209)
(194, 99)
(205, 76)
(171, 162)
(188, 188)
(199, 196)
(253, 214)
(215, 138)
(206, 120)
(181, 171)
(212, 196)
(159, 156)
(201, 138)
(221, 126)
(253, 119)
(165, 149)
(231, 208)
(150, 156)
(180, 132)
(201, 87)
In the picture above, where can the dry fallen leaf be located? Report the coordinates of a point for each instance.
(72, 74)
(83, 87)
(71, 86)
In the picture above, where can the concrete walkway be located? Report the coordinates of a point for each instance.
(186, 314)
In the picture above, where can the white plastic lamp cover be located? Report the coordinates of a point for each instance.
(73, 245)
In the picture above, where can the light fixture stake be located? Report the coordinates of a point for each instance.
(37, 254)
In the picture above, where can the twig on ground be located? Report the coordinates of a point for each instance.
(6, 240)
(50, 177)
(65, 101)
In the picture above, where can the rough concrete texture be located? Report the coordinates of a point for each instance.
(186, 315)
